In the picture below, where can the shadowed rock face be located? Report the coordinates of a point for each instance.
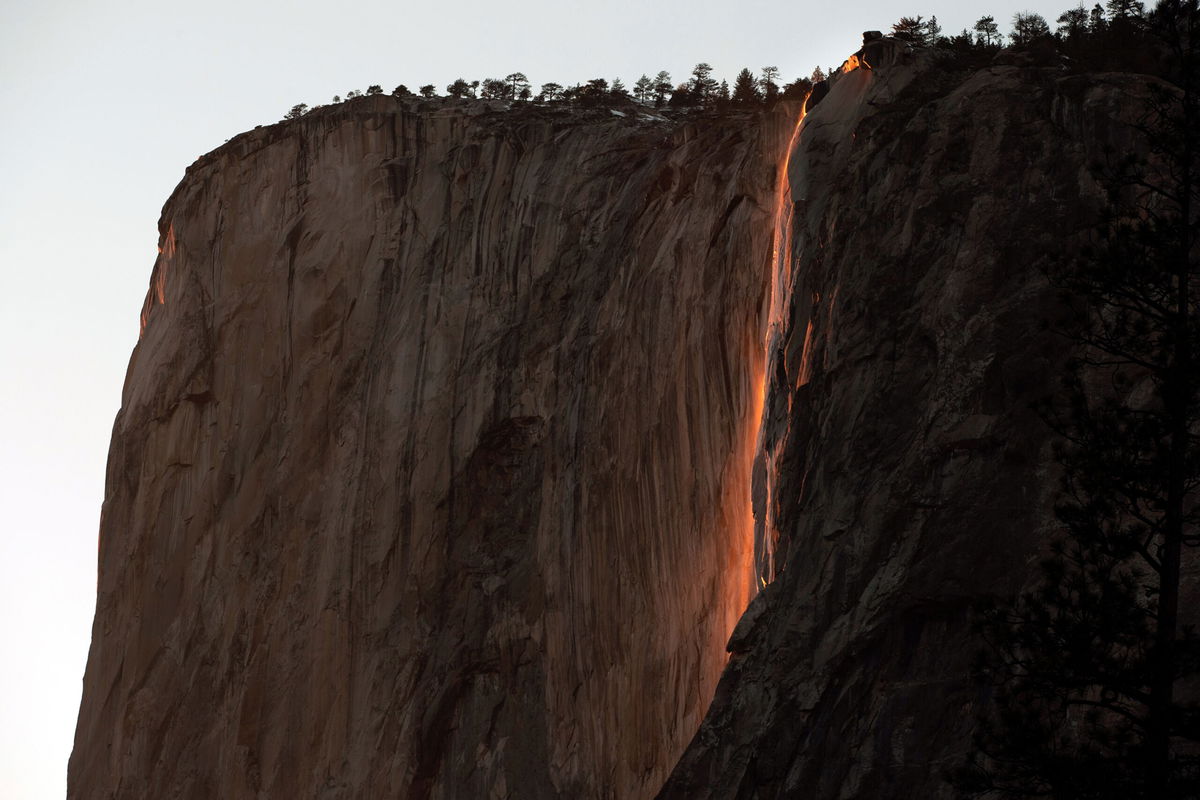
(431, 477)
(908, 474)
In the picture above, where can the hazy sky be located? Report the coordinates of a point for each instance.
(103, 103)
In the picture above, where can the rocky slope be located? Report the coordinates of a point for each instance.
(905, 472)
(431, 477)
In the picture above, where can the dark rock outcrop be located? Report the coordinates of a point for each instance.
(908, 475)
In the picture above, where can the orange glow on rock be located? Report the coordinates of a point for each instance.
(852, 63)
(763, 533)
(167, 248)
(167, 251)
(158, 283)
(780, 288)
(806, 356)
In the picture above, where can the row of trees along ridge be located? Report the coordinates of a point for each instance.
(700, 90)
(1094, 34)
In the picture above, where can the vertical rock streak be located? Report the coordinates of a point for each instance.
(778, 300)
(166, 251)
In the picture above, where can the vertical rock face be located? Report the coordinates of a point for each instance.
(431, 477)
(907, 474)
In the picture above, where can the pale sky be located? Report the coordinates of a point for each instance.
(103, 103)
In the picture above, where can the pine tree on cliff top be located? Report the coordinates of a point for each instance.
(662, 88)
(703, 87)
(770, 84)
(1073, 23)
(516, 86)
(987, 32)
(1093, 673)
(1125, 9)
(1027, 27)
(745, 89)
(643, 89)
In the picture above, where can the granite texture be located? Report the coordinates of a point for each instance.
(431, 476)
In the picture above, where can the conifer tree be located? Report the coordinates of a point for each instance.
(987, 32)
(1028, 26)
(770, 84)
(702, 85)
(493, 89)
(662, 88)
(643, 89)
(682, 97)
(797, 89)
(745, 89)
(963, 40)
(1073, 23)
(595, 92)
(517, 86)
(1125, 9)
(912, 29)
(722, 94)
(933, 31)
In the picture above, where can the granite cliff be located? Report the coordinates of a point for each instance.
(433, 473)
(431, 477)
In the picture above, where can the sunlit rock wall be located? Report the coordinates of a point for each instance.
(907, 473)
(431, 477)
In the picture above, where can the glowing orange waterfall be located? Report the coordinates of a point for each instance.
(743, 556)
(779, 293)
